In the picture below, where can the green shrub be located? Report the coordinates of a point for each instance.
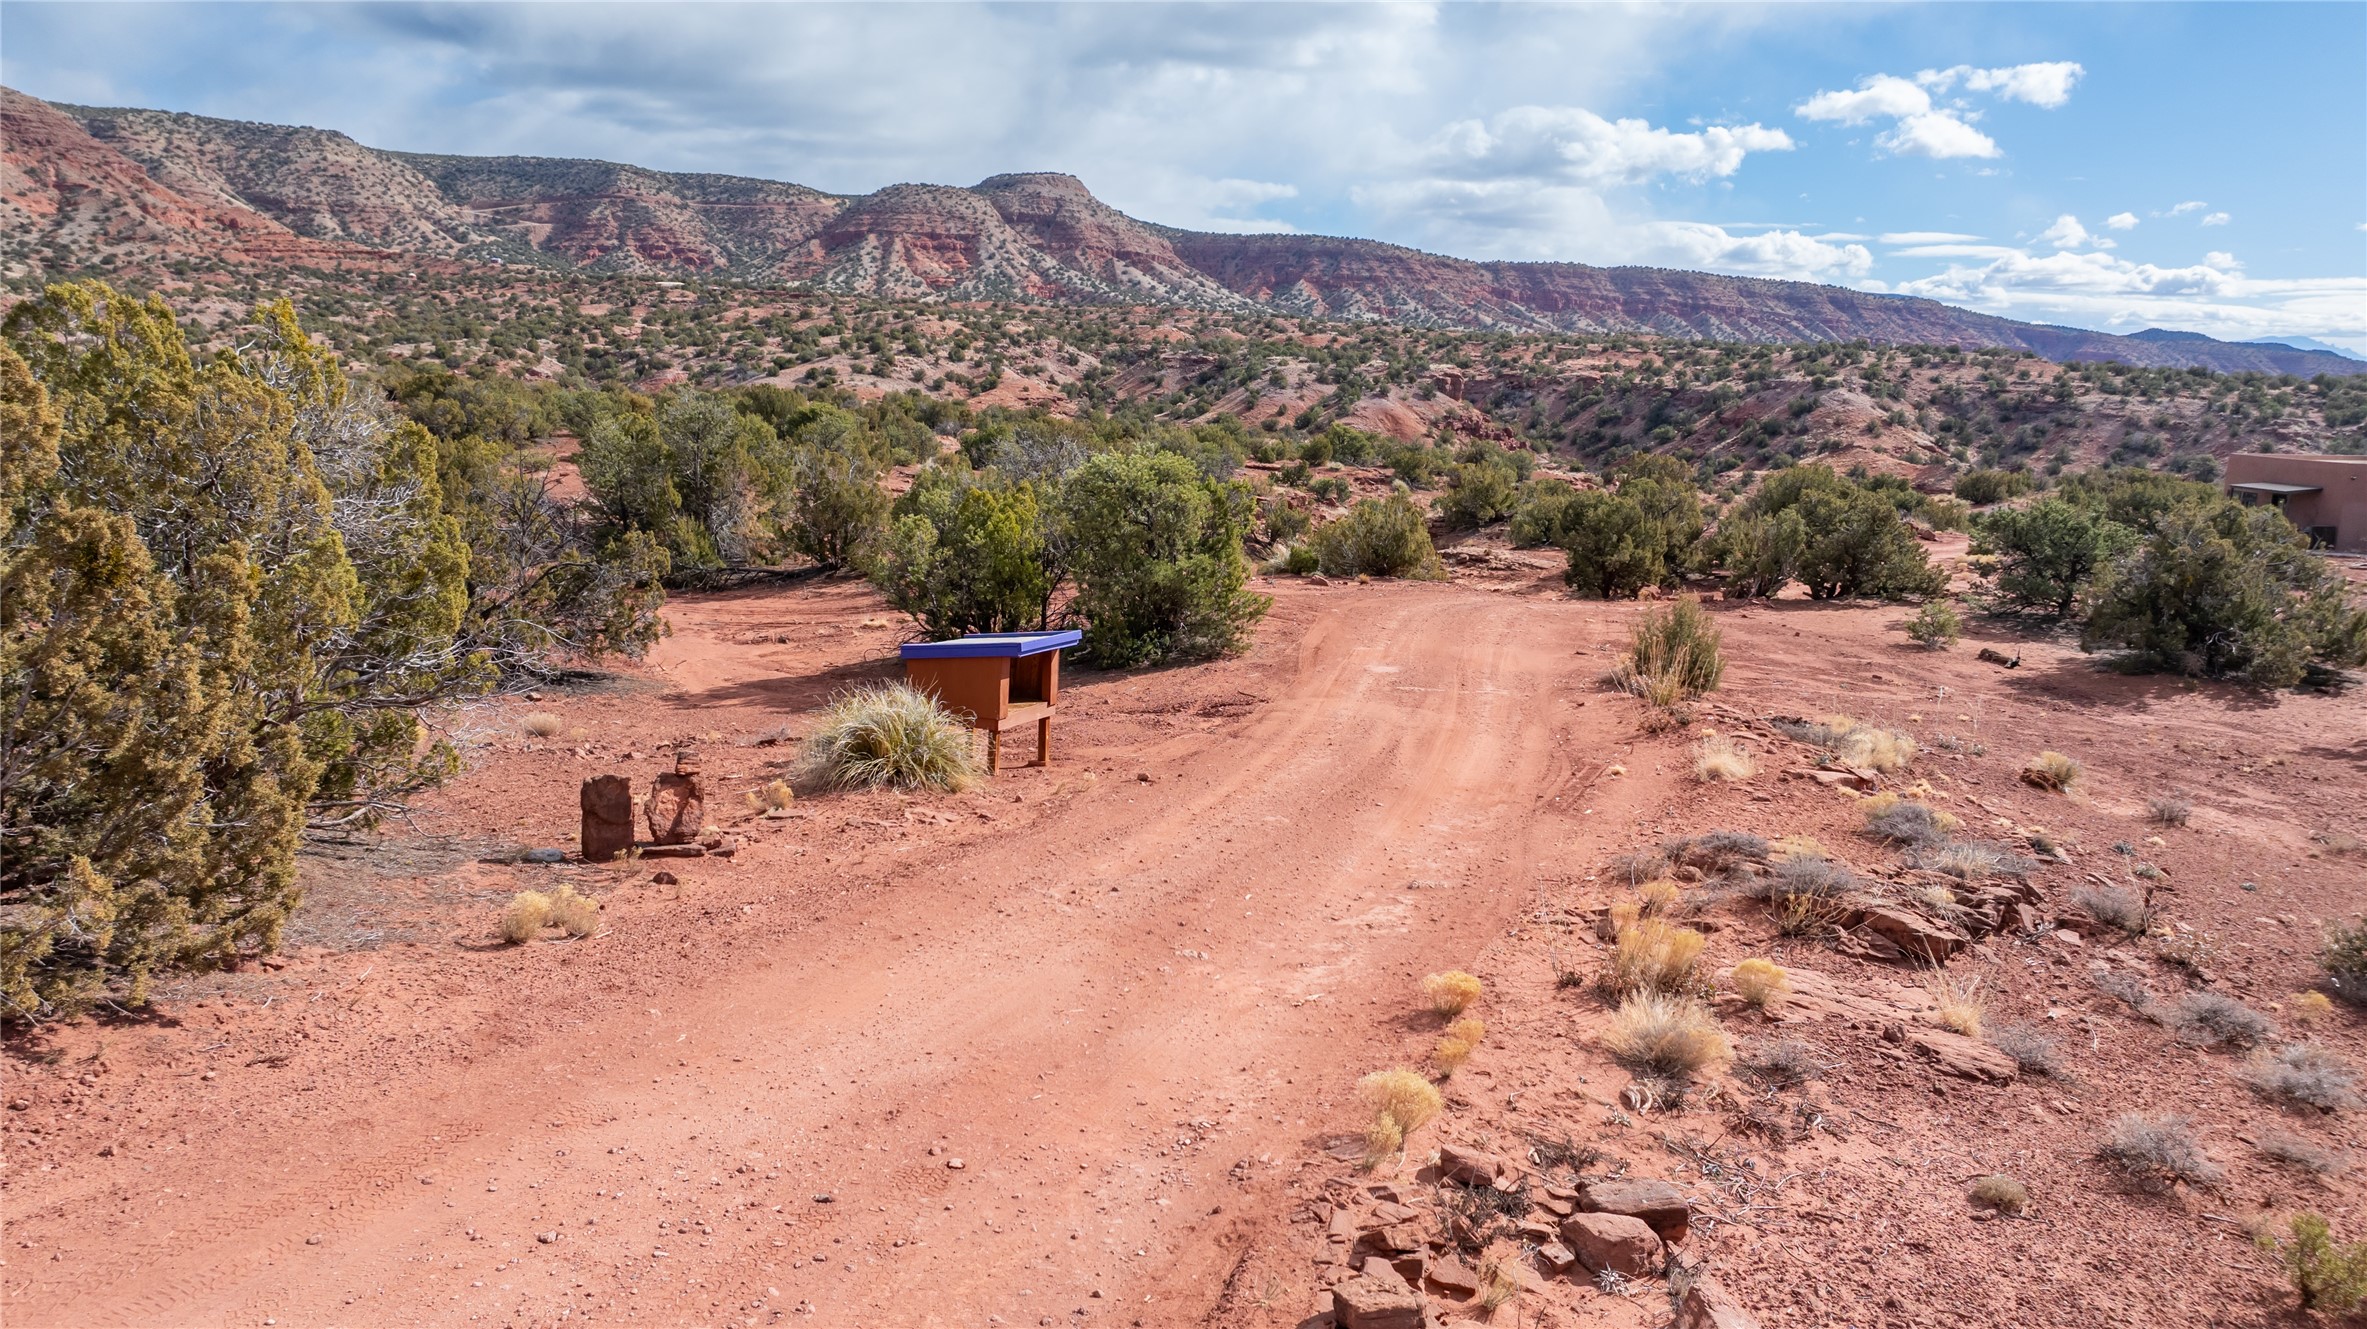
(1479, 493)
(1155, 547)
(1843, 540)
(967, 554)
(1936, 625)
(2049, 553)
(1984, 487)
(1377, 538)
(1284, 523)
(2329, 1276)
(1539, 513)
(890, 736)
(838, 512)
(2220, 590)
(225, 589)
(1614, 549)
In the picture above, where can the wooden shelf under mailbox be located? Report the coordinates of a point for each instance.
(996, 681)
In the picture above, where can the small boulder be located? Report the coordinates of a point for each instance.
(1916, 937)
(607, 805)
(1656, 1202)
(1469, 1167)
(1451, 1277)
(1624, 1245)
(676, 808)
(1555, 1258)
(1706, 1304)
(1375, 1301)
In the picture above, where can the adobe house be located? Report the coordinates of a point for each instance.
(2324, 495)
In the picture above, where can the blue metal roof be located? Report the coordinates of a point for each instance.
(1001, 643)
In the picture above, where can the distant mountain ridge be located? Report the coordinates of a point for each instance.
(156, 185)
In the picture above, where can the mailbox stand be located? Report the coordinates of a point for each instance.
(998, 682)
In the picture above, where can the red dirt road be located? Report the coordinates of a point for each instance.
(1123, 1007)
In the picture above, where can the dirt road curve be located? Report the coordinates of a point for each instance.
(1048, 1069)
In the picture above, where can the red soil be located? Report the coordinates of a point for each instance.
(1130, 995)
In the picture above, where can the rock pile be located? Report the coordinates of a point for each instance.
(1390, 1249)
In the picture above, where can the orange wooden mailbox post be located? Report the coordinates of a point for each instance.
(999, 682)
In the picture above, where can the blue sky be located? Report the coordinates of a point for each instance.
(2113, 166)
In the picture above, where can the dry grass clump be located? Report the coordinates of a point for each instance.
(2031, 1050)
(528, 914)
(1635, 869)
(1718, 851)
(2164, 810)
(1456, 1045)
(2345, 961)
(1870, 747)
(891, 736)
(2002, 1193)
(2307, 1075)
(2302, 1152)
(773, 797)
(1722, 758)
(1499, 1284)
(575, 915)
(1451, 993)
(1673, 656)
(1808, 893)
(2311, 1007)
(2051, 771)
(1657, 898)
(2214, 1019)
(1671, 1035)
(1400, 1102)
(1972, 860)
(1761, 983)
(1958, 1000)
(1796, 846)
(2128, 989)
(542, 724)
(2155, 1153)
(1784, 1064)
(2114, 907)
(1905, 821)
(1652, 955)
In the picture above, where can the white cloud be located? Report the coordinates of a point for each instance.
(2122, 221)
(2217, 219)
(2067, 233)
(1937, 134)
(2184, 208)
(2046, 84)
(2095, 289)
(1922, 127)
(1573, 144)
(1883, 96)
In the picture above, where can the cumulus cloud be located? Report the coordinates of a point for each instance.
(1573, 144)
(2097, 289)
(2046, 84)
(1877, 96)
(1937, 134)
(2217, 219)
(1923, 127)
(2182, 209)
(2122, 221)
(2067, 233)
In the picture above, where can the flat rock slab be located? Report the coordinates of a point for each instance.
(1370, 1301)
(1625, 1246)
(1661, 1206)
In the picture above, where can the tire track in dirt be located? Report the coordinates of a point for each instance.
(1165, 980)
